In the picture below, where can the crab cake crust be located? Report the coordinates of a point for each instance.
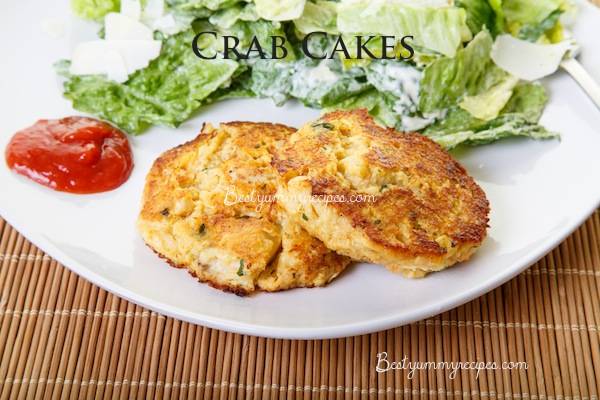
(208, 206)
(377, 195)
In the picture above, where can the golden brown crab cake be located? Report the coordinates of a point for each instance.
(208, 206)
(303, 261)
(377, 195)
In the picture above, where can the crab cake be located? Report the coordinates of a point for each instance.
(302, 262)
(209, 206)
(377, 195)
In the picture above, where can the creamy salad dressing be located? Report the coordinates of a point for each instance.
(306, 78)
(321, 73)
(401, 80)
(276, 89)
(413, 124)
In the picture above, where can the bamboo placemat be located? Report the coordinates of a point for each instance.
(63, 337)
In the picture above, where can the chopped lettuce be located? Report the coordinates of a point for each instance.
(439, 29)
(375, 103)
(523, 12)
(165, 93)
(325, 83)
(471, 72)
(272, 80)
(320, 16)
(315, 83)
(532, 32)
(481, 15)
(528, 100)
(227, 17)
(279, 10)
(238, 89)
(195, 5)
(399, 83)
(94, 9)
(487, 105)
(454, 93)
(261, 29)
(397, 79)
(519, 117)
(502, 127)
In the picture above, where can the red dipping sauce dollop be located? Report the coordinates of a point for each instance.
(74, 154)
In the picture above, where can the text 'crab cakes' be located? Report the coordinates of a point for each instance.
(208, 206)
(377, 195)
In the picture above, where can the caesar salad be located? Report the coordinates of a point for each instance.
(472, 79)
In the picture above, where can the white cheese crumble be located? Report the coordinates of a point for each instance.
(128, 46)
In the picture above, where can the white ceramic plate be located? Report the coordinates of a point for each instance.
(539, 193)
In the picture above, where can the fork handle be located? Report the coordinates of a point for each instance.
(581, 76)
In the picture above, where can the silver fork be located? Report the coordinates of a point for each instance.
(583, 78)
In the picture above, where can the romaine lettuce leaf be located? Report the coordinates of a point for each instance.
(165, 93)
(263, 30)
(374, 102)
(279, 10)
(500, 19)
(439, 29)
(271, 79)
(239, 88)
(320, 16)
(481, 15)
(94, 9)
(502, 127)
(328, 91)
(529, 100)
(227, 17)
(532, 12)
(447, 80)
(518, 118)
(487, 105)
(532, 32)
(397, 79)
(398, 82)
(193, 5)
(314, 83)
